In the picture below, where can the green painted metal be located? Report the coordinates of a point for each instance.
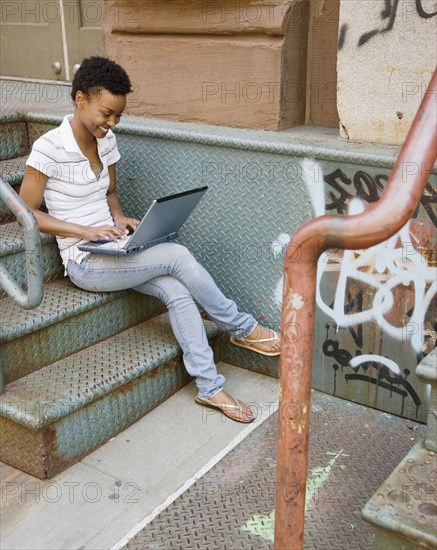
(427, 373)
(13, 136)
(13, 116)
(12, 171)
(13, 254)
(403, 510)
(92, 395)
(2, 379)
(32, 248)
(68, 320)
(306, 141)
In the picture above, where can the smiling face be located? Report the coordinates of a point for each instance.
(99, 111)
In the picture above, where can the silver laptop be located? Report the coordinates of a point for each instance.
(160, 224)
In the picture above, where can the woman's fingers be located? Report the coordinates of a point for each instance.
(128, 222)
(134, 223)
(107, 232)
(112, 233)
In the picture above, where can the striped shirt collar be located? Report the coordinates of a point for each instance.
(70, 143)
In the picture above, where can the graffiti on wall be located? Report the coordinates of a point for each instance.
(391, 10)
(392, 285)
(342, 189)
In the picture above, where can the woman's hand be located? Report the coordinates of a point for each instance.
(124, 224)
(104, 232)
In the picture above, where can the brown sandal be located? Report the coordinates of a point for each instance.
(248, 344)
(225, 408)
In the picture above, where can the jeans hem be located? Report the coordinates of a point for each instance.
(250, 330)
(208, 396)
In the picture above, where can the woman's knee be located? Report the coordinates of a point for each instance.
(181, 254)
(169, 290)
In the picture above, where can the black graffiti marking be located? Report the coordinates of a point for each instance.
(338, 203)
(355, 303)
(331, 349)
(342, 35)
(376, 381)
(368, 189)
(379, 179)
(384, 373)
(428, 201)
(390, 12)
(386, 379)
(422, 13)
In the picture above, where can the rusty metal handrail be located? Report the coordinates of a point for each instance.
(379, 222)
(32, 243)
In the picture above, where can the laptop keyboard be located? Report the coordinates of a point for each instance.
(114, 244)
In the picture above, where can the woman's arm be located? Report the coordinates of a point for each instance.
(32, 193)
(121, 221)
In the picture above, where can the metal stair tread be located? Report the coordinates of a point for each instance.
(403, 503)
(11, 239)
(61, 300)
(13, 116)
(12, 170)
(55, 391)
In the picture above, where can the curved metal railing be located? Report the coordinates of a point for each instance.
(32, 297)
(379, 222)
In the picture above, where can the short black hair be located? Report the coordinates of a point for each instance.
(96, 73)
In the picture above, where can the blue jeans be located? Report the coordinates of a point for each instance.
(169, 272)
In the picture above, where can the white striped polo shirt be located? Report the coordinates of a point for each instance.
(73, 192)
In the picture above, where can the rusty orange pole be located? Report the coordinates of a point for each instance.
(379, 222)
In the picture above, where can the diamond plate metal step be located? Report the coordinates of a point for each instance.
(14, 141)
(352, 449)
(13, 256)
(404, 508)
(91, 396)
(68, 320)
(12, 171)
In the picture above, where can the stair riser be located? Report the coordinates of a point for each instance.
(48, 452)
(6, 216)
(392, 541)
(52, 266)
(431, 436)
(31, 352)
(13, 140)
(245, 358)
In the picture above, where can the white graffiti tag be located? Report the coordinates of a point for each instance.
(394, 263)
(383, 267)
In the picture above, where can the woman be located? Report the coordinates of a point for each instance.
(73, 167)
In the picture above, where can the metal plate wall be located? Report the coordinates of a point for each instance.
(251, 200)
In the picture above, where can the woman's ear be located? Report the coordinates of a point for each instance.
(80, 99)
